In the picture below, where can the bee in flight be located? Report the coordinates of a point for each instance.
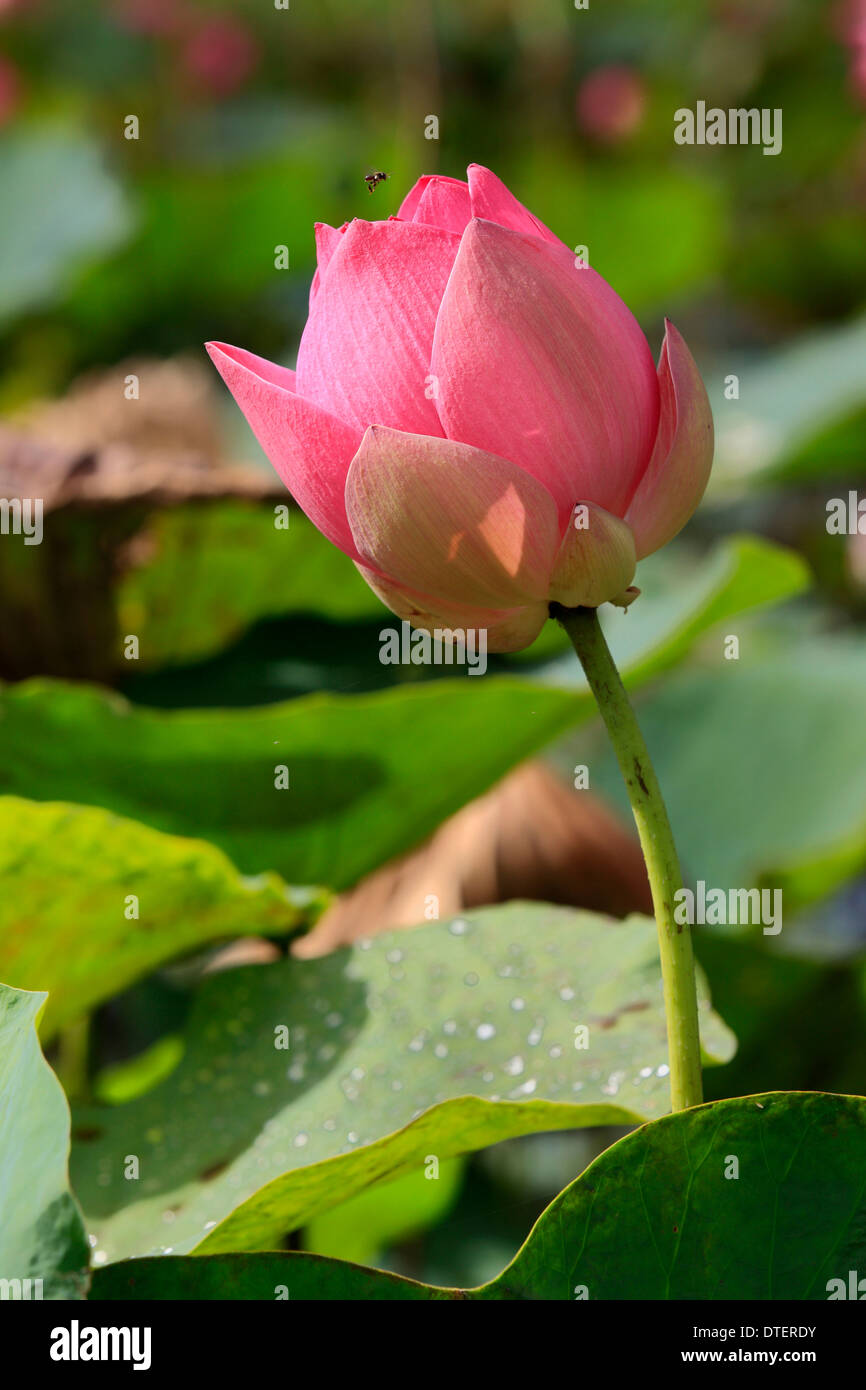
(373, 180)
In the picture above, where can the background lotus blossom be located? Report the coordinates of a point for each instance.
(611, 103)
(464, 384)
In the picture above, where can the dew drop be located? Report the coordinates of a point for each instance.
(526, 1088)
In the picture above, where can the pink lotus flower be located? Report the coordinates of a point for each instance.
(476, 418)
(220, 54)
(611, 103)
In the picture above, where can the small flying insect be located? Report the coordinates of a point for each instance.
(373, 180)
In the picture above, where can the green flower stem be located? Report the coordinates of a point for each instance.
(657, 843)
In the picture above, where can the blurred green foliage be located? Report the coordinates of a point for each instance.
(253, 123)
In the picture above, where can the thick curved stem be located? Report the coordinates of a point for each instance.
(657, 843)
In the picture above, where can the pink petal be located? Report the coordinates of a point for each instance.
(451, 521)
(310, 449)
(542, 363)
(596, 560)
(365, 352)
(513, 631)
(327, 241)
(507, 630)
(675, 477)
(493, 201)
(444, 203)
(239, 359)
(406, 211)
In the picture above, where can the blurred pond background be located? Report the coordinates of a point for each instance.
(120, 256)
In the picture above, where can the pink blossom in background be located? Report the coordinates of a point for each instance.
(850, 25)
(462, 387)
(220, 55)
(611, 103)
(10, 90)
(9, 7)
(156, 18)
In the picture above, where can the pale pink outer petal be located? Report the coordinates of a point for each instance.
(513, 631)
(451, 521)
(542, 363)
(596, 560)
(327, 241)
(678, 471)
(494, 201)
(508, 630)
(310, 449)
(365, 351)
(444, 203)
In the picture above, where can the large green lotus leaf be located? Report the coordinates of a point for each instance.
(266, 1275)
(436, 1042)
(762, 768)
(69, 874)
(800, 412)
(759, 1198)
(233, 566)
(369, 776)
(41, 1232)
(350, 758)
(680, 599)
(681, 596)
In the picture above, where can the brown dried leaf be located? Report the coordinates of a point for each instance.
(531, 837)
(96, 448)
